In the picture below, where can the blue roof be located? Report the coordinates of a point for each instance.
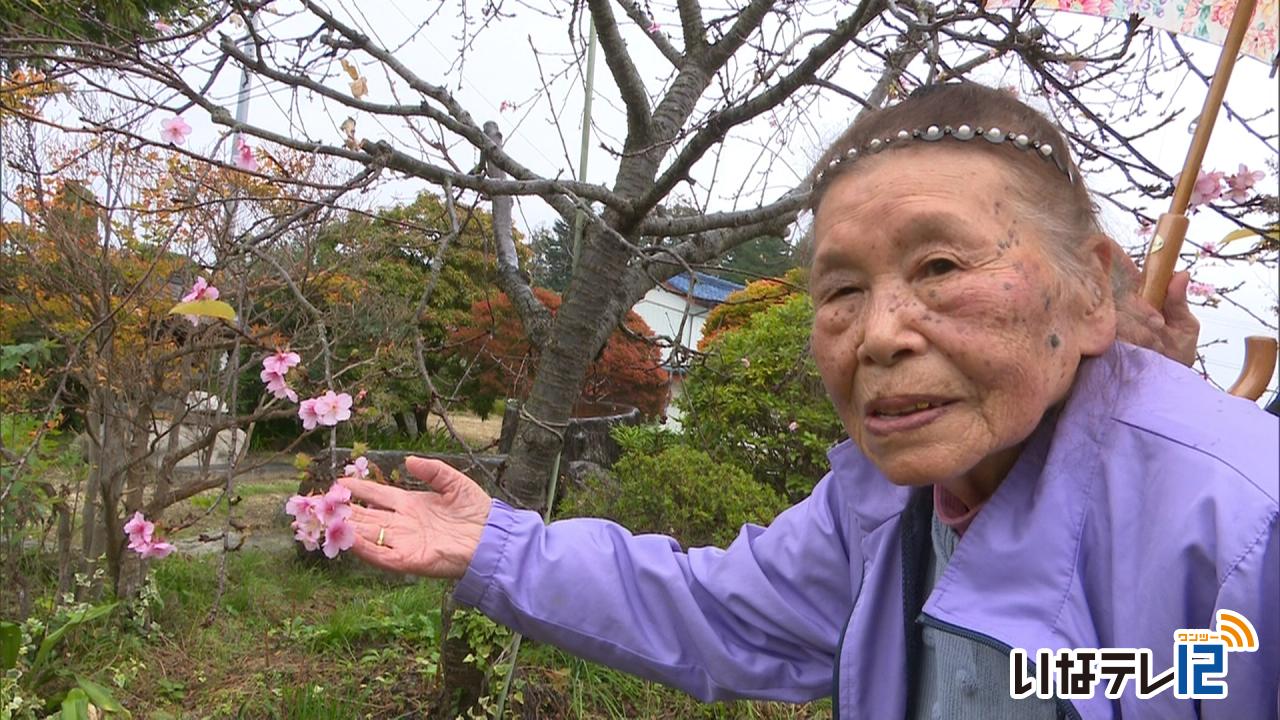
(708, 288)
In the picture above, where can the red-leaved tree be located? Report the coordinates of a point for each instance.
(628, 369)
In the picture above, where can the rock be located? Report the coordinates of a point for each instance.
(583, 475)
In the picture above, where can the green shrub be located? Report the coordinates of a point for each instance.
(757, 401)
(668, 488)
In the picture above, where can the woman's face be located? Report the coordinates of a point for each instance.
(942, 331)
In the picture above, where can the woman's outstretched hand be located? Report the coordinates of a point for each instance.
(433, 534)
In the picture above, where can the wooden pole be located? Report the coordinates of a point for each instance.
(1171, 230)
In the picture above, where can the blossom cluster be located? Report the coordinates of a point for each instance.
(328, 409)
(320, 521)
(274, 369)
(142, 538)
(1213, 185)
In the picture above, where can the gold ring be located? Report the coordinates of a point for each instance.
(382, 533)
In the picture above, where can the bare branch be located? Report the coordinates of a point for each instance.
(660, 41)
(624, 71)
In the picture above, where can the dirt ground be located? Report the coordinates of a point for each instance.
(477, 432)
(257, 517)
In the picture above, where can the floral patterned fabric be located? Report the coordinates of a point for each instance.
(1204, 19)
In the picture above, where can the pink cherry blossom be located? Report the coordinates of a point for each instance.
(309, 523)
(310, 539)
(278, 386)
(162, 26)
(307, 411)
(305, 519)
(1239, 185)
(330, 510)
(794, 426)
(358, 469)
(323, 516)
(139, 527)
(1145, 230)
(1208, 188)
(1209, 249)
(201, 290)
(280, 361)
(244, 157)
(274, 368)
(174, 130)
(339, 493)
(1074, 68)
(333, 505)
(156, 550)
(332, 408)
(339, 536)
(298, 505)
(141, 538)
(654, 27)
(1199, 289)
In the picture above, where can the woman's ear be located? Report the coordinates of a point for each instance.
(1098, 329)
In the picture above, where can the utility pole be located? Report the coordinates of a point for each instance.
(581, 218)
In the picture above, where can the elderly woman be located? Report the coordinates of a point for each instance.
(1014, 477)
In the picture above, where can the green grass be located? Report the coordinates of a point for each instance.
(275, 488)
(295, 639)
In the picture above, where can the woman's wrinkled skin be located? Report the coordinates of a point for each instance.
(930, 290)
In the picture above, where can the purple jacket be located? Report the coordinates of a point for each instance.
(1149, 502)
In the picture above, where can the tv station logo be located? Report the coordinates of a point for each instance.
(1199, 671)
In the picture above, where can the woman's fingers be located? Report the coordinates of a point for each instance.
(1182, 327)
(383, 556)
(371, 516)
(440, 476)
(1177, 310)
(370, 531)
(374, 494)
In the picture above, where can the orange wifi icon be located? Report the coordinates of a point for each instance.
(1236, 632)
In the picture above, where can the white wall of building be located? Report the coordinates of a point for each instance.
(663, 310)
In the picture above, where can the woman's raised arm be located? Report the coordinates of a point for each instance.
(759, 619)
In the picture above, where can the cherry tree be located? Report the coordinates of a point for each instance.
(690, 86)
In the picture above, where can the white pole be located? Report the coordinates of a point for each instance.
(586, 139)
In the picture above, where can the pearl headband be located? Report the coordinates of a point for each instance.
(964, 133)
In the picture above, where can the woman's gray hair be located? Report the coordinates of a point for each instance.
(1066, 224)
